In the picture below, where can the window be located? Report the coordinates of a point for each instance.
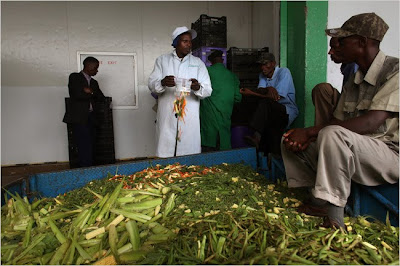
(117, 77)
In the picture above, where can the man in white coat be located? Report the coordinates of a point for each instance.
(179, 64)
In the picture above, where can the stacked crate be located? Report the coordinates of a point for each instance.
(243, 62)
(104, 152)
(104, 147)
(211, 32)
(211, 36)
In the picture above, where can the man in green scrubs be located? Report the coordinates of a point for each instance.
(216, 110)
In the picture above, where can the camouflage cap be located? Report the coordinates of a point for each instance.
(368, 25)
(266, 57)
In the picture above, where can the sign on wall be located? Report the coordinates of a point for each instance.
(117, 77)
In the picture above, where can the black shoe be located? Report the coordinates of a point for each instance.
(313, 210)
(332, 223)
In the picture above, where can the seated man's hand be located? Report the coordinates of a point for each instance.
(195, 85)
(245, 91)
(273, 93)
(297, 139)
(168, 81)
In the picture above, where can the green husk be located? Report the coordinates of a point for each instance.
(230, 216)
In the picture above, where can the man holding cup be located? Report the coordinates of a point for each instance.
(162, 81)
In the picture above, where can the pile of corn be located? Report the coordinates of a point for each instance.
(227, 214)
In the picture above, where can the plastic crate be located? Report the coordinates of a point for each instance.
(243, 61)
(204, 52)
(104, 152)
(271, 166)
(251, 73)
(249, 83)
(237, 136)
(211, 32)
(235, 51)
(376, 201)
(51, 184)
(210, 40)
(105, 132)
(210, 24)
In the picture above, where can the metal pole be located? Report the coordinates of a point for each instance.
(176, 136)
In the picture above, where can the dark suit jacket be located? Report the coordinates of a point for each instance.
(78, 108)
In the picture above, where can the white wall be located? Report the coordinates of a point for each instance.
(39, 45)
(40, 40)
(340, 11)
(265, 26)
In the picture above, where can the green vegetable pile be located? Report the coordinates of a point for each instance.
(231, 215)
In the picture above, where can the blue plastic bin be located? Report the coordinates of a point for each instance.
(372, 201)
(376, 201)
(55, 183)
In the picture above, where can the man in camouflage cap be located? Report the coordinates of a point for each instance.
(361, 141)
(368, 25)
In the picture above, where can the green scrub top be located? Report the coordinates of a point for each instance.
(216, 110)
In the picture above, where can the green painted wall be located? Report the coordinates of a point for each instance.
(304, 50)
(296, 27)
(316, 53)
(283, 35)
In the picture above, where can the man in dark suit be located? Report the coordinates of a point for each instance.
(84, 91)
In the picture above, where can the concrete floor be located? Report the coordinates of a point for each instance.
(16, 173)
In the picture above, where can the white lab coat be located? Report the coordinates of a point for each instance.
(166, 125)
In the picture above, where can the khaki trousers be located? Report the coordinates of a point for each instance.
(335, 159)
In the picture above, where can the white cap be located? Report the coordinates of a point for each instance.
(179, 30)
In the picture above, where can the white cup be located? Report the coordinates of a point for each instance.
(182, 86)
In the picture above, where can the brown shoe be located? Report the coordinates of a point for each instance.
(313, 210)
(252, 141)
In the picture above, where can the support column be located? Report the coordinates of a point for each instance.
(304, 51)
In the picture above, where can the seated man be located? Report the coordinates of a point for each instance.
(277, 107)
(361, 142)
(324, 96)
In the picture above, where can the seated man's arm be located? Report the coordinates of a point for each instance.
(298, 139)
(271, 93)
(384, 105)
(365, 124)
